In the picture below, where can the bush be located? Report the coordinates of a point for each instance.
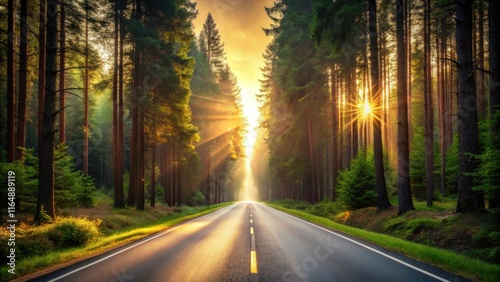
(356, 185)
(325, 208)
(73, 232)
(196, 198)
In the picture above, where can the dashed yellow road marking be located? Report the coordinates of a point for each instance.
(251, 220)
(253, 262)
(251, 230)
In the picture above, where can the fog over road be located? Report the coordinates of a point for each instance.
(249, 241)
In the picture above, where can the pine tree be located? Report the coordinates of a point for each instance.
(382, 197)
(468, 135)
(11, 94)
(404, 184)
(212, 47)
(46, 151)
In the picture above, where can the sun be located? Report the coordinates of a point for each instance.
(366, 109)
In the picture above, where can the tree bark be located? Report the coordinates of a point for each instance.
(355, 135)
(46, 154)
(482, 98)
(23, 79)
(136, 92)
(140, 186)
(404, 184)
(119, 201)
(428, 107)
(11, 89)
(120, 161)
(494, 43)
(468, 136)
(153, 176)
(312, 197)
(441, 102)
(41, 69)
(335, 130)
(62, 74)
(382, 197)
(86, 96)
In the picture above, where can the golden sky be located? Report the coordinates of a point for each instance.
(240, 24)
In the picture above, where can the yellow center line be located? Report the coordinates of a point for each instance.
(251, 230)
(253, 262)
(251, 220)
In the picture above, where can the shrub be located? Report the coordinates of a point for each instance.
(356, 185)
(325, 208)
(196, 198)
(70, 232)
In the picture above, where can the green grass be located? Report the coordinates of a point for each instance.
(441, 204)
(117, 238)
(470, 268)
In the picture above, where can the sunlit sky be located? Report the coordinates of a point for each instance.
(240, 24)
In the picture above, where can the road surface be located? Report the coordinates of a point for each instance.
(249, 241)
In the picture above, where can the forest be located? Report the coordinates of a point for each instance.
(366, 100)
(377, 98)
(120, 96)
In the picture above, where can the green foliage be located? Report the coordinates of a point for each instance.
(196, 198)
(452, 167)
(356, 185)
(488, 174)
(26, 181)
(292, 204)
(72, 187)
(410, 228)
(325, 208)
(44, 217)
(71, 232)
(67, 232)
(487, 243)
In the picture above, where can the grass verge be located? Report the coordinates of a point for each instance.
(38, 265)
(455, 263)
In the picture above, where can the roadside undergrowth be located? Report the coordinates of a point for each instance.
(465, 244)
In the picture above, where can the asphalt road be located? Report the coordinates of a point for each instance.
(249, 241)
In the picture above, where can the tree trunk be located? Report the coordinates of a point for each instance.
(41, 69)
(494, 42)
(312, 192)
(468, 137)
(404, 184)
(46, 154)
(140, 186)
(23, 77)
(11, 89)
(442, 103)
(428, 107)
(408, 26)
(118, 199)
(382, 197)
(355, 137)
(62, 74)
(86, 96)
(153, 175)
(136, 91)
(335, 131)
(482, 98)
